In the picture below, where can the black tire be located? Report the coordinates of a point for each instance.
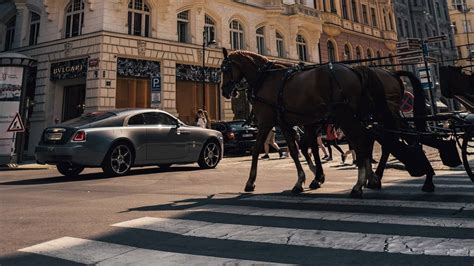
(164, 166)
(69, 169)
(467, 152)
(210, 155)
(119, 160)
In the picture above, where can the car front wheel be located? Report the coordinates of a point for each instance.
(69, 169)
(118, 160)
(210, 155)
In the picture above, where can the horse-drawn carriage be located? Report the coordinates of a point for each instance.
(364, 101)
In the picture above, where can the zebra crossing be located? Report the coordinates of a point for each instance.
(261, 229)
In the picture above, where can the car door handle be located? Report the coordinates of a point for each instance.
(181, 132)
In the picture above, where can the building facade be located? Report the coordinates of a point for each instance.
(96, 55)
(462, 18)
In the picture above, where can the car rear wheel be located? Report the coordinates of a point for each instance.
(69, 169)
(118, 160)
(210, 155)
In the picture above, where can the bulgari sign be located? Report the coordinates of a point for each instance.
(69, 69)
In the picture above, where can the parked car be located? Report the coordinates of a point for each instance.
(117, 140)
(237, 138)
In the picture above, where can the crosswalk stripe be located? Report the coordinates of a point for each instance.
(364, 202)
(103, 253)
(308, 238)
(336, 216)
(398, 184)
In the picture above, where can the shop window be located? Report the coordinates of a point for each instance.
(280, 45)
(34, 28)
(139, 18)
(183, 26)
(74, 18)
(10, 34)
(301, 48)
(261, 40)
(236, 35)
(133, 93)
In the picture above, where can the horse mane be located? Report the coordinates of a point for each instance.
(259, 59)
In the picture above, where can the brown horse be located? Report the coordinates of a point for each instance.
(302, 98)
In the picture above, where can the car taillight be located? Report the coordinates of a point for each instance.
(230, 135)
(79, 136)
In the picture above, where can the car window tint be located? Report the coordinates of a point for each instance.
(152, 118)
(238, 125)
(136, 120)
(88, 119)
(164, 119)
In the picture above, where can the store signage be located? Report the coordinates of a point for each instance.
(94, 62)
(69, 69)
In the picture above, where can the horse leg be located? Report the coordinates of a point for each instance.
(261, 137)
(375, 180)
(319, 176)
(290, 140)
(429, 186)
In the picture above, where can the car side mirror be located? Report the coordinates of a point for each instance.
(177, 124)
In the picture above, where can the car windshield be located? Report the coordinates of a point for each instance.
(238, 125)
(88, 118)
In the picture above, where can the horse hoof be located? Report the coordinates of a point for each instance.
(321, 179)
(250, 188)
(356, 194)
(315, 184)
(376, 185)
(297, 190)
(429, 188)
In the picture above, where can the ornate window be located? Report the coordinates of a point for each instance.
(374, 17)
(379, 55)
(139, 18)
(365, 16)
(347, 52)
(236, 35)
(331, 52)
(34, 28)
(369, 56)
(10, 33)
(358, 53)
(280, 45)
(345, 15)
(261, 40)
(301, 48)
(355, 16)
(183, 26)
(209, 29)
(74, 18)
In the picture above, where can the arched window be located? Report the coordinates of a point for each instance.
(347, 52)
(369, 56)
(261, 40)
(34, 28)
(183, 26)
(390, 59)
(236, 35)
(10, 33)
(139, 18)
(379, 55)
(209, 29)
(74, 18)
(301, 48)
(358, 53)
(280, 45)
(331, 52)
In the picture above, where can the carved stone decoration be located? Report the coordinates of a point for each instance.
(67, 48)
(141, 47)
(91, 4)
(48, 5)
(199, 54)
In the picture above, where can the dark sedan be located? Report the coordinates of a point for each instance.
(237, 137)
(120, 139)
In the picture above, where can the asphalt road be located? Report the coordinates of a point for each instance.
(191, 216)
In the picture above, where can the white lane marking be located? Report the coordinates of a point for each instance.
(398, 184)
(308, 238)
(102, 253)
(339, 216)
(365, 202)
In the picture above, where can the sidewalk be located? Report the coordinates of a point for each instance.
(27, 165)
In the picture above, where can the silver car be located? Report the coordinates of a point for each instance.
(119, 139)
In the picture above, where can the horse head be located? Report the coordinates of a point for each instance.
(231, 75)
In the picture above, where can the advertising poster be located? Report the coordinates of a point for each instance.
(11, 79)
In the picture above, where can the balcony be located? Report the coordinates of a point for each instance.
(298, 9)
(390, 35)
(331, 18)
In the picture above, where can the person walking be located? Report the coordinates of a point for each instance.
(271, 141)
(200, 119)
(331, 140)
(340, 135)
(319, 140)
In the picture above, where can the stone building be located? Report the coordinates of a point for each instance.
(95, 55)
(462, 15)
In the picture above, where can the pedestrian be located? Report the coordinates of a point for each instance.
(319, 140)
(331, 140)
(208, 120)
(200, 119)
(340, 135)
(271, 141)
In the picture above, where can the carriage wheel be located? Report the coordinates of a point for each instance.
(467, 151)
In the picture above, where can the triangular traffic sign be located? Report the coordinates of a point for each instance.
(16, 125)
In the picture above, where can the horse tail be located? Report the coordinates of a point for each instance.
(419, 108)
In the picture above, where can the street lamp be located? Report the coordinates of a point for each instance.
(205, 43)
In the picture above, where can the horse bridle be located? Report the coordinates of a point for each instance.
(232, 84)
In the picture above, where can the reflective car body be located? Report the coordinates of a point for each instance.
(237, 138)
(154, 137)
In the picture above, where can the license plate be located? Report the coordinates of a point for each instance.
(54, 136)
(247, 135)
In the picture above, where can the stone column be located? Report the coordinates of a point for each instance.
(21, 25)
